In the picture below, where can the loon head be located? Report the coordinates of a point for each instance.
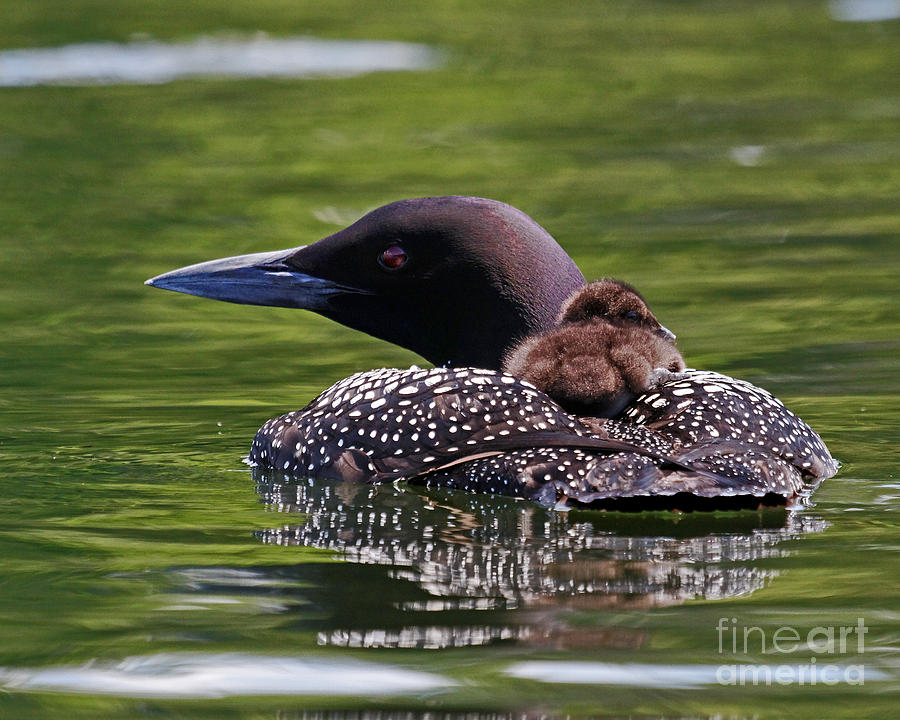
(458, 280)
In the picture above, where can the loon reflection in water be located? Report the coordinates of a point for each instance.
(474, 557)
(463, 281)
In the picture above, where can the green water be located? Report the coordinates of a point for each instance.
(130, 526)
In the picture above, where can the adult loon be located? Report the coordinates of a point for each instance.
(463, 281)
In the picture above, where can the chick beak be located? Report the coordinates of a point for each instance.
(665, 333)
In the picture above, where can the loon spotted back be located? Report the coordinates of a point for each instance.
(462, 281)
(606, 349)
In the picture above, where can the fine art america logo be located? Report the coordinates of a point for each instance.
(825, 644)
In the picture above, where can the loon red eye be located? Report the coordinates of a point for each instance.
(393, 258)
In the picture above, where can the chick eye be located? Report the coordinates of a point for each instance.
(632, 315)
(393, 258)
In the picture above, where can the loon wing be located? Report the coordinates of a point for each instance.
(412, 465)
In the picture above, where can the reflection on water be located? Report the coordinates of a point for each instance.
(148, 62)
(483, 554)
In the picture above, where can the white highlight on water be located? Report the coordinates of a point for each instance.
(864, 10)
(747, 155)
(150, 62)
(198, 675)
(689, 676)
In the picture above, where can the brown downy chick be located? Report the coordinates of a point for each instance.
(606, 349)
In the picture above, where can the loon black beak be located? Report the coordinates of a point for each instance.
(256, 279)
(665, 333)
